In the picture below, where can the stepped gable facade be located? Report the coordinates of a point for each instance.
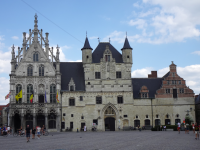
(99, 91)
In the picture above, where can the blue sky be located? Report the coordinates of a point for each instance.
(158, 31)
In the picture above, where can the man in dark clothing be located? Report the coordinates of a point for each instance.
(196, 131)
(27, 132)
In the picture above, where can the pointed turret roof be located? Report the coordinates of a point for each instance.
(86, 45)
(126, 44)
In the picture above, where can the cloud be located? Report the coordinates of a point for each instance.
(4, 90)
(93, 37)
(196, 52)
(1, 38)
(139, 23)
(189, 73)
(15, 37)
(169, 21)
(61, 49)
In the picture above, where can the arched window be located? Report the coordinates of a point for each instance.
(18, 89)
(41, 70)
(35, 56)
(30, 70)
(53, 93)
(29, 92)
(52, 121)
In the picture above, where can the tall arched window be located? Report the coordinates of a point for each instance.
(52, 121)
(30, 70)
(18, 89)
(29, 92)
(41, 70)
(53, 93)
(35, 56)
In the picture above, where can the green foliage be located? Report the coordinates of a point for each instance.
(188, 119)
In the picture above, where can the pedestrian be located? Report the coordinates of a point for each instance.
(38, 131)
(179, 127)
(139, 128)
(27, 132)
(43, 129)
(33, 133)
(8, 128)
(193, 128)
(187, 126)
(85, 128)
(196, 131)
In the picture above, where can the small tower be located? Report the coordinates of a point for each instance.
(13, 60)
(127, 52)
(172, 69)
(86, 52)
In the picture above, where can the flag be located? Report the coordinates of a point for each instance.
(31, 98)
(19, 95)
(57, 97)
(8, 96)
(45, 98)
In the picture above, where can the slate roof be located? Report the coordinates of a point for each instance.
(197, 99)
(153, 84)
(86, 45)
(98, 53)
(126, 44)
(166, 75)
(72, 70)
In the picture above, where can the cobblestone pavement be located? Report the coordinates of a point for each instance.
(121, 140)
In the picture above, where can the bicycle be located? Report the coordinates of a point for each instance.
(46, 133)
(22, 134)
(94, 129)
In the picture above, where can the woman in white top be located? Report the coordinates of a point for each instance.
(85, 128)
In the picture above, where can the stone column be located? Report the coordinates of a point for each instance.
(58, 124)
(34, 123)
(46, 121)
(22, 121)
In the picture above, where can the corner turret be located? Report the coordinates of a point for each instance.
(127, 52)
(86, 52)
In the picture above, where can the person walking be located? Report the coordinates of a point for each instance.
(193, 128)
(33, 133)
(85, 128)
(196, 131)
(179, 127)
(38, 131)
(187, 126)
(8, 128)
(28, 132)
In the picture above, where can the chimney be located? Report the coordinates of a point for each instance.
(153, 74)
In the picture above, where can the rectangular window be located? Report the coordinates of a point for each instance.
(63, 114)
(118, 74)
(147, 116)
(72, 115)
(167, 90)
(125, 116)
(97, 75)
(81, 98)
(120, 100)
(98, 100)
(181, 90)
(179, 82)
(174, 93)
(71, 88)
(71, 102)
(95, 121)
(144, 95)
(173, 81)
(107, 57)
(168, 82)
(71, 125)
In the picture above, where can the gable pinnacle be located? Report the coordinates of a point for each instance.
(35, 21)
(86, 45)
(126, 44)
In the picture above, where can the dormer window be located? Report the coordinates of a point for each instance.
(35, 56)
(144, 95)
(107, 58)
(71, 88)
(144, 92)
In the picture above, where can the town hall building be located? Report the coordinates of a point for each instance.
(99, 90)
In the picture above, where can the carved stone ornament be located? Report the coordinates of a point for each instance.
(41, 89)
(52, 111)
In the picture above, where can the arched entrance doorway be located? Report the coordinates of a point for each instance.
(17, 122)
(110, 124)
(41, 98)
(109, 116)
(40, 120)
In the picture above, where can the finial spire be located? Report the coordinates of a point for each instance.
(86, 33)
(109, 39)
(126, 34)
(35, 21)
(172, 62)
(98, 39)
(13, 48)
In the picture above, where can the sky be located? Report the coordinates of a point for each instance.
(158, 31)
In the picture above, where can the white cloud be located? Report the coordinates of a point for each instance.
(93, 37)
(139, 23)
(4, 90)
(61, 49)
(170, 21)
(15, 37)
(189, 73)
(196, 52)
